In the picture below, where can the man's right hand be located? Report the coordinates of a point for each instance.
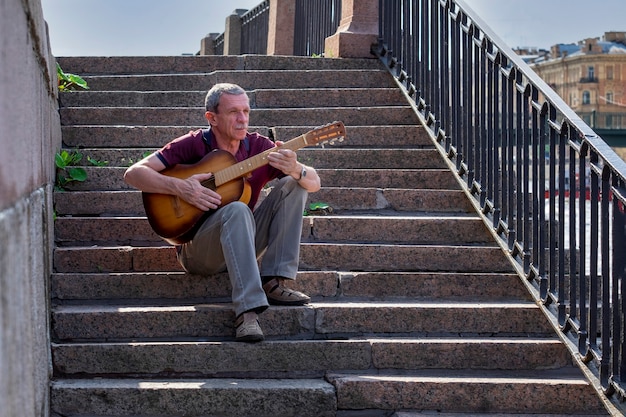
(192, 191)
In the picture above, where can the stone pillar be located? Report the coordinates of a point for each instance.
(232, 33)
(357, 31)
(207, 44)
(281, 29)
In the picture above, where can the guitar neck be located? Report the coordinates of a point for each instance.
(246, 166)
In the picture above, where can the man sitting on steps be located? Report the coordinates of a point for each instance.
(234, 237)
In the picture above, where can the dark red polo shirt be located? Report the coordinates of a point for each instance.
(192, 147)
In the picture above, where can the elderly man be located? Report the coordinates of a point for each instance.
(235, 235)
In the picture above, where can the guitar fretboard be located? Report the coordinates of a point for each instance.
(243, 168)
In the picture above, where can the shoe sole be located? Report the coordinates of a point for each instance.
(287, 303)
(251, 338)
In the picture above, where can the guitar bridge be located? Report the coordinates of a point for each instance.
(177, 207)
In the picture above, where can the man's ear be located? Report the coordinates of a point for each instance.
(210, 117)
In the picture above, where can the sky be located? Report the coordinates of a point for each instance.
(168, 27)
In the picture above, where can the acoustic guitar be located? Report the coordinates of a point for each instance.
(176, 220)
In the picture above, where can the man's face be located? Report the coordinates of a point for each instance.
(231, 119)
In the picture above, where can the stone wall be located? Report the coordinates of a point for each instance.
(30, 134)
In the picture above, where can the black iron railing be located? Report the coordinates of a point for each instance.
(551, 189)
(315, 21)
(254, 29)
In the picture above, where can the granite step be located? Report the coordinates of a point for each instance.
(328, 157)
(259, 98)
(111, 178)
(313, 257)
(306, 358)
(317, 320)
(342, 200)
(194, 116)
(212, 397)
(531, 392)
(436, 391)
(247, 79)
(154, 137)
(453, 230)
(142, 65)
(137, 287)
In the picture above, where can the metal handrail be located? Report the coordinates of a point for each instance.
(552, 191)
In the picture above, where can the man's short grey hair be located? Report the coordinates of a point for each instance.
(212, 99)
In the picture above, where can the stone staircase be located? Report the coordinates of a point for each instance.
(415, 308)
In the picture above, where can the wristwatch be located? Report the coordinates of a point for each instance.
(302, 173)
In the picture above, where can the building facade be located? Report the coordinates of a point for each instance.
(591, 77)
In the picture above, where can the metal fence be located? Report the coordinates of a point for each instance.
(315, 21)
(254, 29)
(552, 190)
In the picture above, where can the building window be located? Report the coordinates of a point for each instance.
(609, 72)
(586, 97)
(590, 73)
(609, 97)
(609, 121)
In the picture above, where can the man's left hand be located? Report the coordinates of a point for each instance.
(286, 160)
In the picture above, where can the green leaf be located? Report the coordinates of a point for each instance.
(59, 161)
(318, 206)
(68, 82)
(60, 74)
(78, 174)
(74, 158)
(97, 162)
(78, 81)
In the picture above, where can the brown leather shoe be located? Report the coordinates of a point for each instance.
(247, 329)
(278, 294)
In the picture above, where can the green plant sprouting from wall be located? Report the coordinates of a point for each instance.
(70, 82)
(67, 170)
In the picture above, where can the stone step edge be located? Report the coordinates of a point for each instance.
(316, 356)
(571, 375)
(137, 287)
(432, 340)
(216, 397)
(541, 392)
(337, 391)
(164, 245)
(191, 307)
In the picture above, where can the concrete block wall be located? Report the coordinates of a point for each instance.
(30, 134)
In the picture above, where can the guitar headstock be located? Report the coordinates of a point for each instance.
(330, 133)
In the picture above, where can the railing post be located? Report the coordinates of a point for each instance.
(232, 33)
(207, 44)
(281, 29)
(357, 31)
